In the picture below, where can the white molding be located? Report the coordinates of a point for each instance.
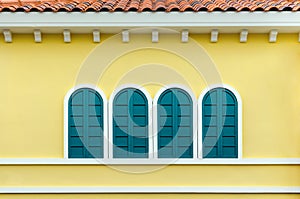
(239, 101)
(151, 189)
(105, 112)
(299, 37)
(155, 36)
(96, 36)
(67, 36)
(110, 121)
(214, 36)
(37, 36)
(243, 36)
(105, 161)
(184, 36)
(196, 22)
(125, 36)
(273, 36)
(155, 133)
(7, 36)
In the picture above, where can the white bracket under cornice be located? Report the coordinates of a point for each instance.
(7, 36)
(37, 36)
(214, 36)
(244, 36)
(155, 36)
(273, 36)
(125, 36)
(96, 36)
(67, 36)
(184, 36)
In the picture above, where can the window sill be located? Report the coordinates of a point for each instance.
(74, 161)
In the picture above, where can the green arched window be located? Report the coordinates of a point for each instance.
(220, 124)
(175, 124)
(130, 124)
(85, 124)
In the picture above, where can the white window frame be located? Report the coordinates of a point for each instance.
(239, 101)
(66, 122)
(155, 133)
(110, 121)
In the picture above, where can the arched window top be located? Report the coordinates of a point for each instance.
(228, 96)
(142, 93)
(126, 95)
(182, 91)
(93, 97)
(181, 95)
(232, 92)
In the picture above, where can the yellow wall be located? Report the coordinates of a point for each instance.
(34, 79)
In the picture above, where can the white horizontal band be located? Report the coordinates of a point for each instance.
(62, 161)
(195, 22)
(140, 189)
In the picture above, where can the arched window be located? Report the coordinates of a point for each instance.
(220, 124)
(85, 124)
(174, 124)
(130, 125)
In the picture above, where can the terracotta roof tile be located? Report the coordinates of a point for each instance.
(148, 5)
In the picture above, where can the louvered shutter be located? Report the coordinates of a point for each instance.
(130, 124)
(175, 124)
(220, 124)
(85, 124)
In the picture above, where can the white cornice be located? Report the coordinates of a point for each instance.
(201, 22)
(62, 161)
(144, 189)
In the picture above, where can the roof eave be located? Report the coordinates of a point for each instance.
(195, 22)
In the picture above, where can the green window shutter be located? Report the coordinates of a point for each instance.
(130, 124)
(175, 124)
(220, 124)
(85, 124)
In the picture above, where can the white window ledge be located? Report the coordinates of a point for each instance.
(140, 189)
(62, 161)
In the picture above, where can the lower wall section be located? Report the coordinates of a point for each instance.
(149, 176)
(146, 196)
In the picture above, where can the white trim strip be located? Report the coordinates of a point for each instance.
(260, 22)
(140, 189)
(105, 161)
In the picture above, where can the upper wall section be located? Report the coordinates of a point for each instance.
(35, 78)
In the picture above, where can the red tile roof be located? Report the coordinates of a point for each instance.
(147, 5)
